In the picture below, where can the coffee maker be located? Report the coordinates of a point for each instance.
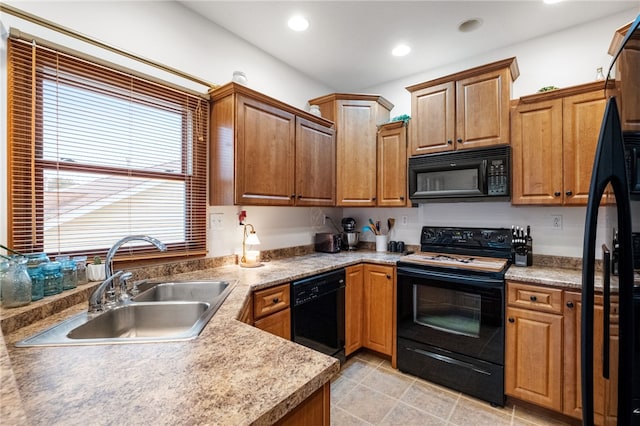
(350, 237)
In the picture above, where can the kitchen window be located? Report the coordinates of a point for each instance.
(96, 153)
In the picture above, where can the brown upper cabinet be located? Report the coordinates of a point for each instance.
(356, 118)
(627, 72)
(265, 152)
(392, 165)
(469, 109)
(553, 143)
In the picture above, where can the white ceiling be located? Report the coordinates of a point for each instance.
(347, 46)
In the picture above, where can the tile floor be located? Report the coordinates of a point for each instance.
(367, 391)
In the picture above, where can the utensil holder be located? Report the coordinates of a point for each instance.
(381, 243)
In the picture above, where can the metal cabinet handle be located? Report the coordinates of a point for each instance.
(449, 141)
(373, 198)
(299, 196)
(557, 194)
(401, 198)
(569, 193)
(511, 320)
(533, 298)
(570, 304)
(275, 300)
(459, 140)
(293, 196)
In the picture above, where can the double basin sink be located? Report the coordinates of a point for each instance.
(167, 311)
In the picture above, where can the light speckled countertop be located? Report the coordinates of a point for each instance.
(232, 374)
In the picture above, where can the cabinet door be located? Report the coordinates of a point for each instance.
(432, 127)
(278, 324)
(572, 398)
(533, 357)
(356, 153)
(315, 164)
(629, 98)
(379, 283)
(582, 118)
(354, 299)
(265, 149)
(392, 165)
(536, 149)
(482, 110)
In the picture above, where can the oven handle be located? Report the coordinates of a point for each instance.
(449, 360)
(408, 271)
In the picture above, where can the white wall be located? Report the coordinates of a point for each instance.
(168, 33)
(562, 59)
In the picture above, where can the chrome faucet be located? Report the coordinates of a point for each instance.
(108, 285)
(108, 264)
(95, 300)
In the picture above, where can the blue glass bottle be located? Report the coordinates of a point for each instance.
(52, 278)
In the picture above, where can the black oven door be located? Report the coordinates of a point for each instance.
(458, 313)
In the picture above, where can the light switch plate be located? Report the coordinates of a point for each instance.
(215, 221)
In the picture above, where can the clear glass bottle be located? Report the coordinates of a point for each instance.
(52, 278)
(4, 267)
(81, 266)
(599, 74)
(16, 284)
(69, 274)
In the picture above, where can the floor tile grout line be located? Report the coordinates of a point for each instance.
(353, 415)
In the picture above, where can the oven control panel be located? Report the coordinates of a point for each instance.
(493, 239)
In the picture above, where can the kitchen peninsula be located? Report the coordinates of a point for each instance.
(231, 374)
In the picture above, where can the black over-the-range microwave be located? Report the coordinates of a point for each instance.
(632, 156)
(482, 174)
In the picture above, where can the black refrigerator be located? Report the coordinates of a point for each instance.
(610, 168)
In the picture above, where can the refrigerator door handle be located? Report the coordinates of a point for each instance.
(606, 305)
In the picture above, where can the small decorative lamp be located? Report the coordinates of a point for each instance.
(250, 258)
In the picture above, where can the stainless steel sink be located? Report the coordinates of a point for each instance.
(144, 320)
(193, 291)
(166, 312)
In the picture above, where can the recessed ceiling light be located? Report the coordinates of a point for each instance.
(470, 25)
(298, 23)
(552, 1)
(401, 50)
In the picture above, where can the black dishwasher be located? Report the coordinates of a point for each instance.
(317, 314)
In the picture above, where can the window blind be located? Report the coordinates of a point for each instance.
(96, 154)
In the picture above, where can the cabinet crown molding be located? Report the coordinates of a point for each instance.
(233, 88)
(567, 91)
(511, 63)
(352, 97)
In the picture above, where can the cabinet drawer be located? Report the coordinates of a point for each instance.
(270, 300)
(544, 299)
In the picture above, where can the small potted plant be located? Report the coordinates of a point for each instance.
(95, 270)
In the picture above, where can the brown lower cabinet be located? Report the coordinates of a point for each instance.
(353, 310)
(272, 312)
(370, 308)
(542, 355)
(313, 411)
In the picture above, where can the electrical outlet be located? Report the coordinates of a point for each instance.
(215, 221)
(405, 220)
(556, 221)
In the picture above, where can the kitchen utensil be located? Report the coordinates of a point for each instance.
(368, 228)
(373, 226)
(390, 222)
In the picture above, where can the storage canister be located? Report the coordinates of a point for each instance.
(52, 278)
(16, 284)
(35, 273)
(81, 266)
(69, 274)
